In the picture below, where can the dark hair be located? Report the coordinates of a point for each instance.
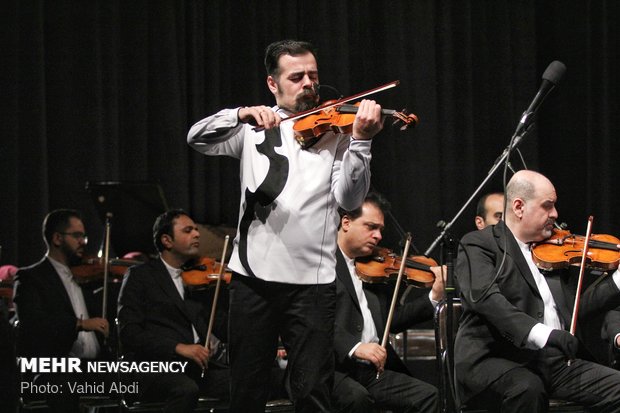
(282, 47)
(373, 198)
(163, 225)
(58, 221)
(481, 211)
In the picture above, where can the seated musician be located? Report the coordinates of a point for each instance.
(610, 333)
(512, 347)
(158, 323)
(489, 209)
(54, 320)
(361, 316)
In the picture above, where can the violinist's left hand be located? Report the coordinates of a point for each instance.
(438, 288)
(368, 120)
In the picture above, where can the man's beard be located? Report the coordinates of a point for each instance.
(73, 257)
(303, 103)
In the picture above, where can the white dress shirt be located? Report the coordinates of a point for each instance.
(369, 330)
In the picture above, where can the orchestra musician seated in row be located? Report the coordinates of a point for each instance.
(512, 347)
(283, 261)
(610, 334)
(361, 315)
(489, 209)
(54, 317)
(158, 323)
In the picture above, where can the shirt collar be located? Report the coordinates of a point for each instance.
(174, 272)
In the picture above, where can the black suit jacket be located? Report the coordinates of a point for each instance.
(493, 331)
(349, 321)
(153, 318)
(47, 322)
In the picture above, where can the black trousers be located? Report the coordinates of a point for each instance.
(360, 391)
(181, 391)
(302, 316)
(528, 389)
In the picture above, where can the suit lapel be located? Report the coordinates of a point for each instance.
(503, 236)
(52, 280)
(163, 279)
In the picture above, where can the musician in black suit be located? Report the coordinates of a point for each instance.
(361, 314)
(54, 318)
(158, 323)
(512, 345)
(610, 335)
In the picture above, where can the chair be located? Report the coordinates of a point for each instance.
(445, 366)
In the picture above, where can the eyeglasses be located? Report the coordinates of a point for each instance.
(77, 235)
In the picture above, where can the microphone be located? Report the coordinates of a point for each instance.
(551, 77)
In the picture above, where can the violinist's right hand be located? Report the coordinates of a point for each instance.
(97, 324)
(372, 352)
(564, 341)
(195, 352)
(262, 116)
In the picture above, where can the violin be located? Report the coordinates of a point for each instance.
(91, 269)
(563, 249)
(203, 272)
(383, 265)
(339, 118)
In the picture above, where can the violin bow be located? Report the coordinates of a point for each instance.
(215, 297)
(401, 270)
(582, 266)
(106, 266)
(299, 115)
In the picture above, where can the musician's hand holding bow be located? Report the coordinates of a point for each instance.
(262, 116)
(97, 324)
(368, 120)
(372, 352)
(195, 352)
(564, 341)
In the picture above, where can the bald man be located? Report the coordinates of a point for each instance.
(512, 346)
(489, 210)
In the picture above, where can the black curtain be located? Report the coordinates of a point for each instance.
(107, 90)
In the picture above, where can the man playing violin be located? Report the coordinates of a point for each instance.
(512, 350)
(361, 314)
(283, 261)
(157, 322)
(54, 320)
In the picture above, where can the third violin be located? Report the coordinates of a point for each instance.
(563, 249)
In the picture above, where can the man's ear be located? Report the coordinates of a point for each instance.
(57, 239)
(479, 222)
(166, 241)
(345, 223)
(271, 83)
(518, 207)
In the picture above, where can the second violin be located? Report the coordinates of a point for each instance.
(383, 265)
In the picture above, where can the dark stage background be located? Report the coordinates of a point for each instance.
(107, 90)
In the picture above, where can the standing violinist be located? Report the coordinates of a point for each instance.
(512, 348)
(54, 320)
(361, 316)
(283, 261)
